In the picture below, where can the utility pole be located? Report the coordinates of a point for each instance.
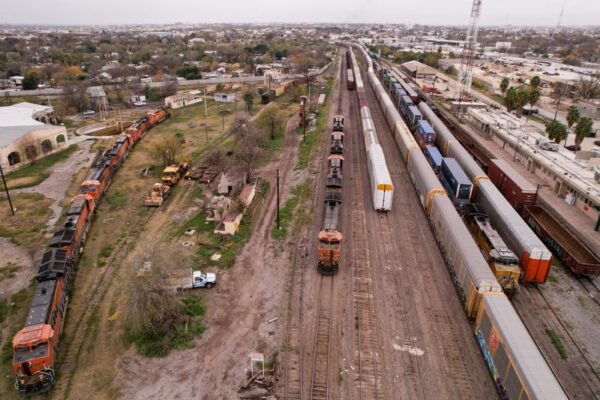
(205, 118)
(12, 209)
(278, 226)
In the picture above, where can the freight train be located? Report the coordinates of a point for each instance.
(534, 257)
(36, 345)
(329, 247)
(516, 364)
(382, 188)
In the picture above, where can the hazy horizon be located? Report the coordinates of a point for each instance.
(432, 12)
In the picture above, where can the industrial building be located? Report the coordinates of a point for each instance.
(572, 176)
(25, 135)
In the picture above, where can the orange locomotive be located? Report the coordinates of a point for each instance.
(35, 347)
(329, 249)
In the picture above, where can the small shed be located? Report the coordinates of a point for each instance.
(232, 182)
(224, 97)
(230, 224)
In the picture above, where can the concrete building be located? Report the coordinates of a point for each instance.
(24, 139)
(572, 177)
(419, 70)
(181, 100)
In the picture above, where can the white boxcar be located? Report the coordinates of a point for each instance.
(368, 128)
(512, 356)
(469, 270)
(382, 187)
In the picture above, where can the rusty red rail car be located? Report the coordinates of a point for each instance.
(564, 244)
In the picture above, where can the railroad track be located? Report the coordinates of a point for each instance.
(590, 287)
(294, 350)
(319, 387)
(368, 380)
(538, 301)
(293, 357)
(68, 361)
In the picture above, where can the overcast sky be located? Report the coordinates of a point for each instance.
(441, 12)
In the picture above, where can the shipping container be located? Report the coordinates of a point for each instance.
(565, 245)
(413, 115)
(518, 190)
(425, 133)
(433, 155)
(514, 360)
(405, 102)
(455, 181)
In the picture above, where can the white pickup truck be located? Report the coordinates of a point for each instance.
(185, 279)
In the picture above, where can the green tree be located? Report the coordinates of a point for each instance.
(31, 81)
(535, 82)
(504, 84)
(556, 131)
(272, 120)
(533, 98)
(249, 99)
(571, 60)
(583, 129)
(219, 87)
(573, 116)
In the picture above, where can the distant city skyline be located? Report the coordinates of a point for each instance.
(427, 12)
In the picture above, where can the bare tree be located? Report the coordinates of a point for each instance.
(588, 87)
(166, 150)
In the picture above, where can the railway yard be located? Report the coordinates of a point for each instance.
(375, 289)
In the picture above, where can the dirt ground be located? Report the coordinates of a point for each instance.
(238, 312)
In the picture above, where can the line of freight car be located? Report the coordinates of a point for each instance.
(522, 194)
(535, 258)
(350, 85)
(382, 188)
(330, 238)
(513, 359)
(36, 345)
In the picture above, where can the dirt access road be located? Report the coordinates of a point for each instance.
(238, 310)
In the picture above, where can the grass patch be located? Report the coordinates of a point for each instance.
(3, 311)
(8, 271)
(36, 173)
(308, 144)
(552, 278)
(286, 214)
(557, 342)
(28, 226)
(118, 199)
(180, 337)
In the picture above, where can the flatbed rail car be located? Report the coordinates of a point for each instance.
(36, 345)
(535, 258)
(523, 373)
(565, 245)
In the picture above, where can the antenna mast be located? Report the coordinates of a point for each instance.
(465, 74)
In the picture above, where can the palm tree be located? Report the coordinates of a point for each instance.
(533, 97)
(223, 113)
(504, 84)
(556, 131)
(573, 116)
(582, 130)
(535, 82)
